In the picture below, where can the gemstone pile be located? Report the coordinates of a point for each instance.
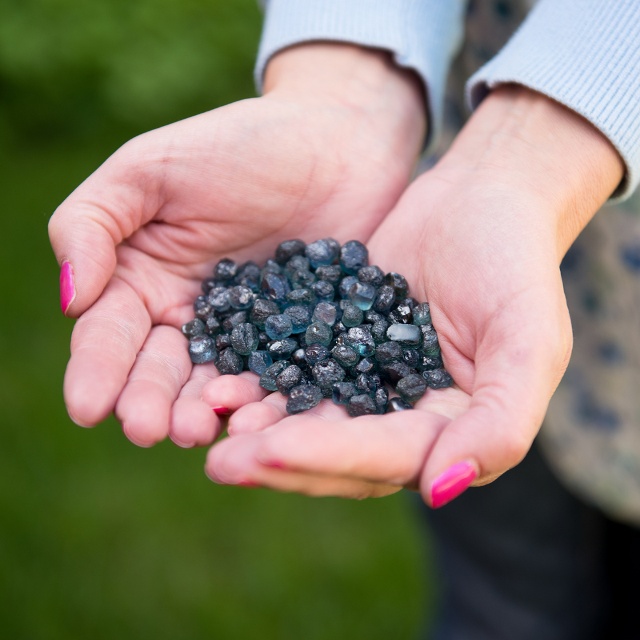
(317, 321)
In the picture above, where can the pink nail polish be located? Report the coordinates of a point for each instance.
(222, 411)
(67, 286)
(452, 483)
(274, 464)
(248, 483)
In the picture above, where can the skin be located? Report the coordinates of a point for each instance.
(480, 237)
(488, 228)
(143, 231)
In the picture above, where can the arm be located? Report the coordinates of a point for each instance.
(586, 56)
(421, 35)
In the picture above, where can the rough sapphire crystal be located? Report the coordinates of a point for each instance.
(315, 321)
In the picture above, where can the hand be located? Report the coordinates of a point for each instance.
(138, 236)
(480, 237)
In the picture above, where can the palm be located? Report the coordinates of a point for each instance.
(239, 181)
(232, 182)
(491, 312)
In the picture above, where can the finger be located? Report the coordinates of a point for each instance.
(85, 229)
(517, 370)
(233, 461)
(193, 423)
(389, 449)
(161, 368)
(104, 346)
(257, 416)
(225, 394)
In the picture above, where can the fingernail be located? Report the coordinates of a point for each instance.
(183, 445)
(222, 411)
(248, 483)
(452, 483)
(67, 287)
(273, 464)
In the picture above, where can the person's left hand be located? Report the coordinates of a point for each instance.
(480, 237)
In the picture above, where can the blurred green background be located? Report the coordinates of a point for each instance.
(100, 539)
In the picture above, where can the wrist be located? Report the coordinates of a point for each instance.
(364, 82)
(521, 140)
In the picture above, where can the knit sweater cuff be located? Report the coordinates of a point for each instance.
(422, 35)
(585, 54)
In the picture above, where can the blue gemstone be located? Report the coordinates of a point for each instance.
(259, 362)
(244, 338)
(345, 284)
(371, 275)
(384, 299)
(324, 290)
(289, 248)
(229, 363)
(353, 256)
(412, 387)
(352, 315)
(342, 392)
(398, 404)
(275, 286)
(225, 270)
(327, 312)
(327, 373)
(319, 333)
(241, 297)
(300, 316)
(345, 356)
(430, 343)
(322, 252)
(290, 377)
(262, 309)
(218, 298)
(303, 397)
(362, 295)
(331, 273)
(268, 378)
(408, 334)
(437, 378)
(315, 353)
(301, 296)
(202, 349)
(381, 399)
(281, 349)
(278, 327)
(361, 405)
(249, 276)
(398, 283)
(422, 314)
(297, 263)
(361, 340)
(194, 328)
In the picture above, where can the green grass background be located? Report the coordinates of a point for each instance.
(98, 538)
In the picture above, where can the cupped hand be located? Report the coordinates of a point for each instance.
(481, 240)
(496, 301)
(137, 237)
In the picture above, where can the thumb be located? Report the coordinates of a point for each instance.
(86, 228)
(515, 378)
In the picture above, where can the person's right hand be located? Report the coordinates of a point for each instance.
(326, 152)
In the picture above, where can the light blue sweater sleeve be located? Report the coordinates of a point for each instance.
(422, 35)
(586, 55)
